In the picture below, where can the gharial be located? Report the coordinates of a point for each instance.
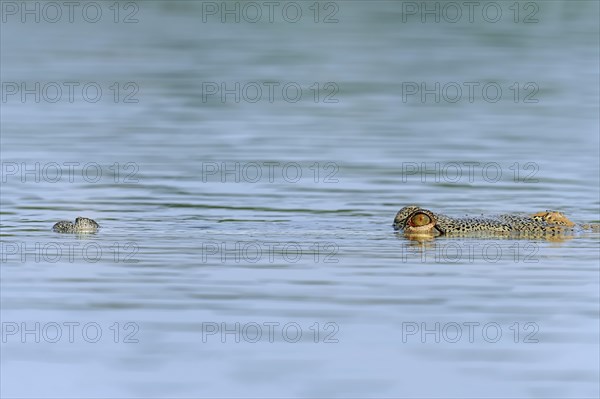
(81, 225)
(416, 221)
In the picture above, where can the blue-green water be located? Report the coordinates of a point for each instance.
(246, 175)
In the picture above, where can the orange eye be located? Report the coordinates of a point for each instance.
(420, 219)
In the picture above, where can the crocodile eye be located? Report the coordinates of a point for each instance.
(420, 219)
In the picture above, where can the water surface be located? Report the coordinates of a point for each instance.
(229, 227)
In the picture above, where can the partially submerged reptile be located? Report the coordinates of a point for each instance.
(81, 225)
(416, 221)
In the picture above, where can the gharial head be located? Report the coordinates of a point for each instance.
(416, 220)
(85, 224)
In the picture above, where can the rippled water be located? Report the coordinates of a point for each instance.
(246, 246)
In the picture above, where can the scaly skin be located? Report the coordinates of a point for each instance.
(81, 225)
(416, 221)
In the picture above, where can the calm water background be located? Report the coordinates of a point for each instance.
(206, 219)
